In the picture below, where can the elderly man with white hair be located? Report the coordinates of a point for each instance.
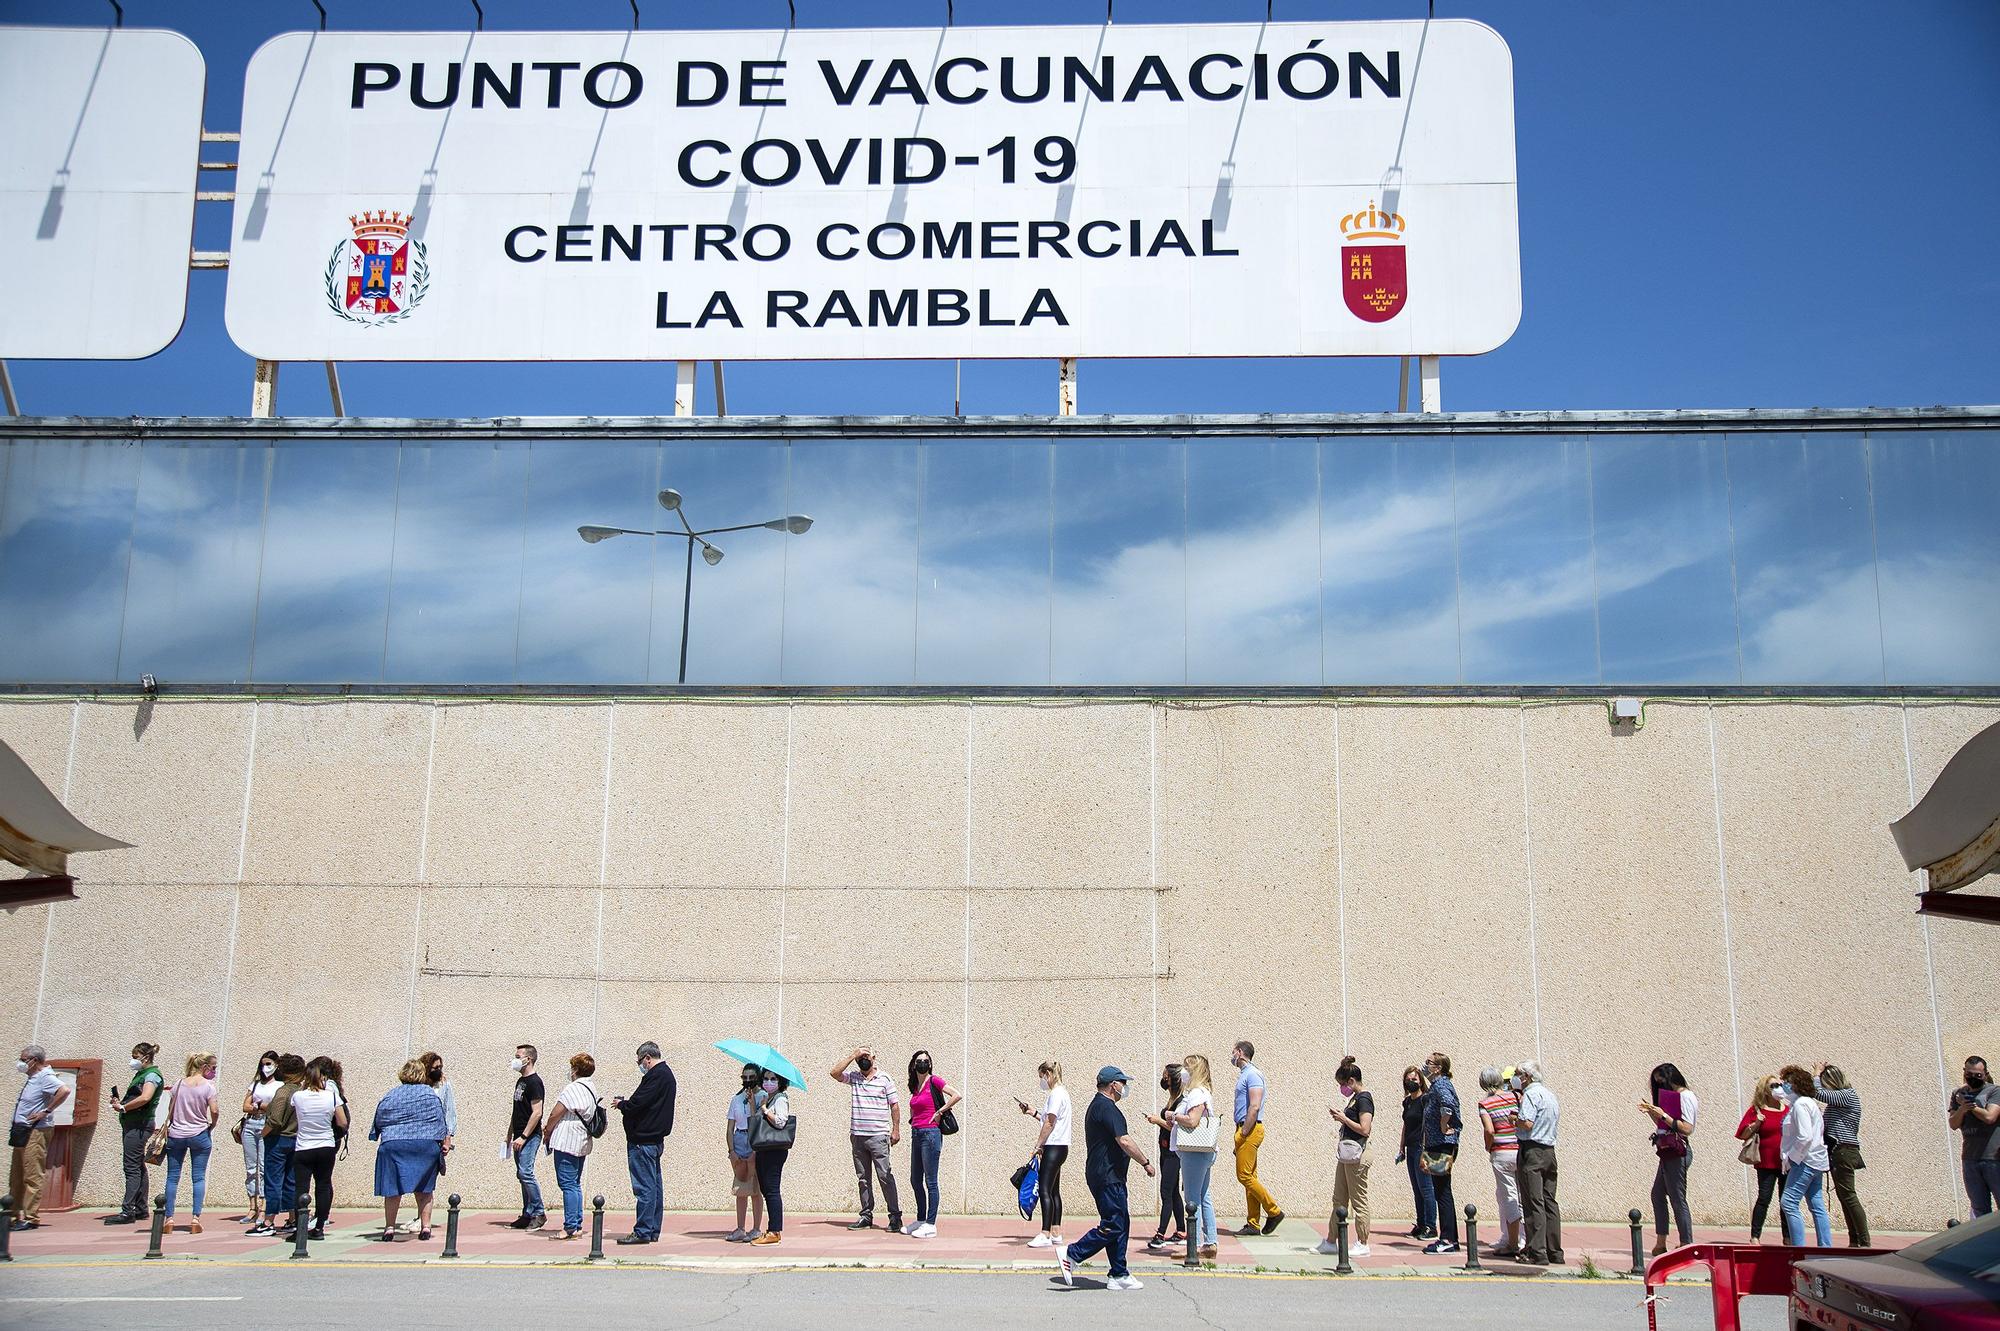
(28, 1134)
(1542, 1218)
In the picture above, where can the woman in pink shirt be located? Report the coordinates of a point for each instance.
(191, 1116)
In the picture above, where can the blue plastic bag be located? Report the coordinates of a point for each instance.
(1031, 1186)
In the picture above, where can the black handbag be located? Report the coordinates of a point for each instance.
(945, 1119)
(766, 1137)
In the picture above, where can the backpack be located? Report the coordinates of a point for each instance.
(594, 1121)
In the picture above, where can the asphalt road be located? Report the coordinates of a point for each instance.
(211, 1295)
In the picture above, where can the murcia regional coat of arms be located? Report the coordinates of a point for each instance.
(1374, 277)
(377, 275)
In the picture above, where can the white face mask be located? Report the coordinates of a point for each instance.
(1182, 1078)
(266, 1069)
(1043, 1080)
(136, 1063)
(517, 1065)
(20, 1067)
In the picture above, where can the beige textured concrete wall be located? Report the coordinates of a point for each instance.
(1004, 882)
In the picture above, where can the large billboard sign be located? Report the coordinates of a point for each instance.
(100, 133)
(1294, 189)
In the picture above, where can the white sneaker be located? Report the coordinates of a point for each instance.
(926, 1231)
(1358, 1250)
(1040, 1241)
(1328, 1249)
(1068, 1268)
(1122, 1282)
(912, 1228)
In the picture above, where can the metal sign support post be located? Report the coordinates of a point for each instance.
(1433, 392)
(264, 390)
(684, 388)
(333, 388)
(1402, 383)
(12, 403)
(721, 398)
(1066, 386)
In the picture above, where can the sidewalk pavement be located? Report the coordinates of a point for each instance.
(697, 1240)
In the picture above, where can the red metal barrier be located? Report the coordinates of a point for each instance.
(1736, 1269)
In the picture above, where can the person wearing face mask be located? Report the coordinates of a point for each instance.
(1350, 1165)
(1541, 1219)
(1499, 1121)
(875, 1124)
(524, 1137)
(1251, 1092)
(1672, 1109)
(930, 1099)
(1802, 1142)
(1052, 1141)
(28, 1133)
(1173, 1210)
(410, 1131)
(1973, 1112)
(1843, 1146)
(1194, 1138)
(1109, 1153)
(1763, 1125)
(771, 1143)
(191, 1117)
(648, 1115)
(281, 1129)
(1410, 1153)
(736, 1143)
(250, 1133)
(1442, 1124)
(135, 1121)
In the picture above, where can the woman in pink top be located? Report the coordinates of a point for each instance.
(191, 1115)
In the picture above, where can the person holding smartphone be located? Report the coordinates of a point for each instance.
(1052, 1141)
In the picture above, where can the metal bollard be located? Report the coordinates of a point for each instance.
(1471, 1237)
(159, 1226)
(597, 1228)
(6, 1226)
(1951, 1223)
(1343, 1267)
(1638, 1244)
(451, 1228)
(299, 1228)
(1193, 1237)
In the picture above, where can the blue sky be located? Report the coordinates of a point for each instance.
(1722, 205)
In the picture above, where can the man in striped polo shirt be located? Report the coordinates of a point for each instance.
(875, 1124)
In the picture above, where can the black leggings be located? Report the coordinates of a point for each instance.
(770, 1177)
(1051, 1184)
(1173, 1208)
(315, 1167)
(1767, 1183)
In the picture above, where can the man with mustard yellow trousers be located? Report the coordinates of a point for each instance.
(1250, 1097)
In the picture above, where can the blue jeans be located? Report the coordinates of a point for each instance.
(569, 1177)
(1803, 1181)
(524, 1170)
(644, 1162)
(925, 1146)
(179, 1149)
(279, 1190)
(1982, 1185)
(1109, 1233)
(1420, 1188)
(1197, 1170)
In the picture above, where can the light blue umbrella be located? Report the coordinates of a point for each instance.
(749, 1051)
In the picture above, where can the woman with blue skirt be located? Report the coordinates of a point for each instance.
(410, 1129)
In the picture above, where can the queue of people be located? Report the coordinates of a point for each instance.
(1800, 1131)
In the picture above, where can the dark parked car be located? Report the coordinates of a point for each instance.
(1947, 1282)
